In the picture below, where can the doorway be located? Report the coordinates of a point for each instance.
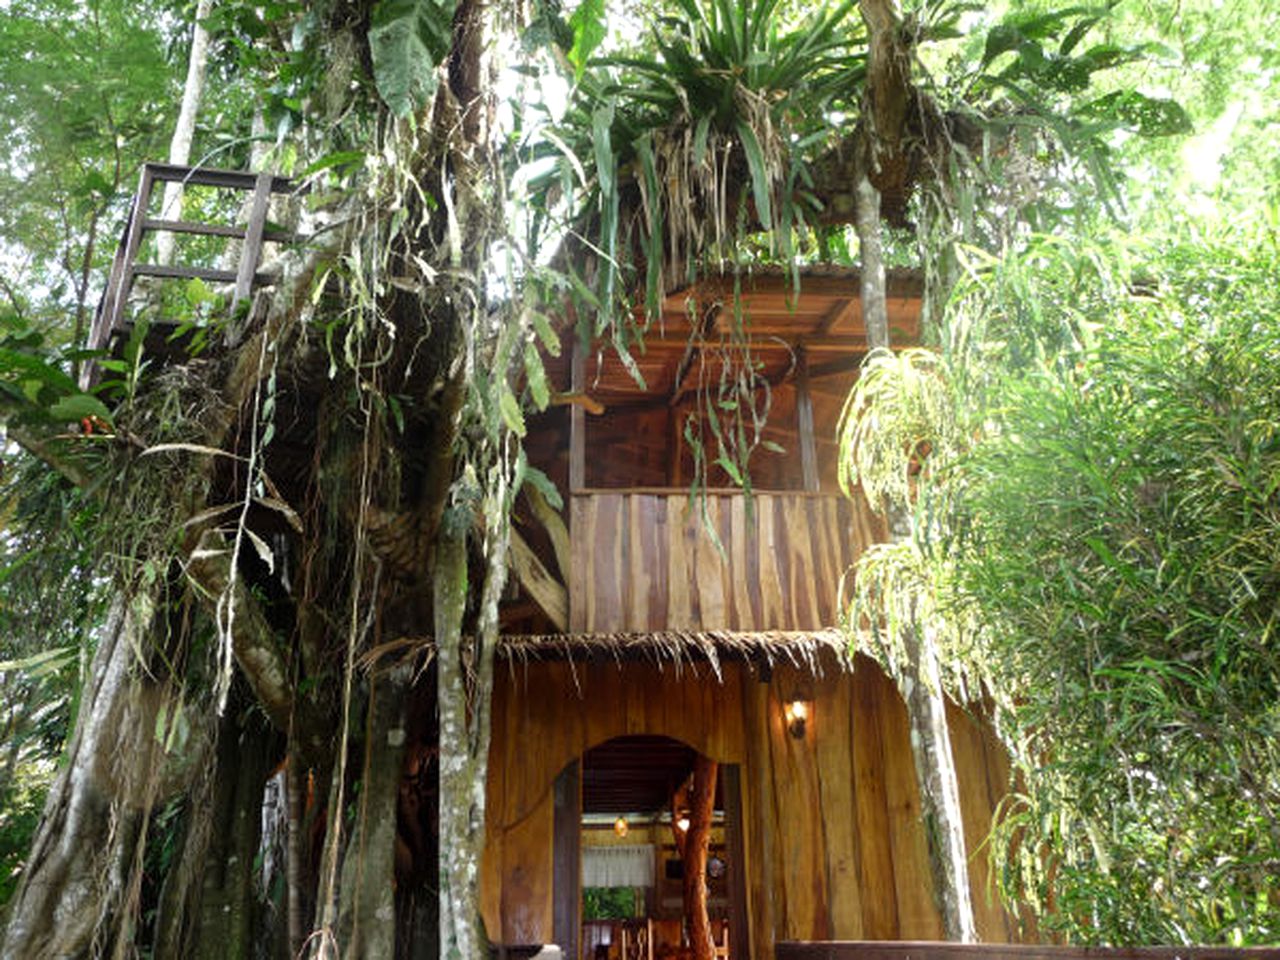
(618, 866)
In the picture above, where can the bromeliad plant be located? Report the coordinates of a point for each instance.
(688, 160)
(701, 143)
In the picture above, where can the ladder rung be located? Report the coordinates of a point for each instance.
(189, 273)
(216, 230)
(212, 177)
(189, 226)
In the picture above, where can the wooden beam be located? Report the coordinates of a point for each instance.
(217, 230)
(213, 177)
(839, 314)
(833, 367)
(804, 423)
(545, 590)
(182, 273)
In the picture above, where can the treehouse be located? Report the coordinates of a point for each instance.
(655, 627)
(665, 631)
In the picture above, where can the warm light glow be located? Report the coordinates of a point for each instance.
(683, 824)
(620, 826)
(796, 712)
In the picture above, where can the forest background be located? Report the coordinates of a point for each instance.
(1093, 447)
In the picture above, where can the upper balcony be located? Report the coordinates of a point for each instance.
(638, 555)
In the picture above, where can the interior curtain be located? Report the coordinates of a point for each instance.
(629, 866)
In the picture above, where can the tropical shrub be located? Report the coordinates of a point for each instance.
(1116, 537)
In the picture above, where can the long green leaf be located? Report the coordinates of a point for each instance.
(759, 174)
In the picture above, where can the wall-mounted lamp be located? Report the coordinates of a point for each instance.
(620, 826)
(796, 711)
(683, 823)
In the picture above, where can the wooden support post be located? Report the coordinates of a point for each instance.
(577, 420)
(804, 417)
(566, 860)
(739, 929)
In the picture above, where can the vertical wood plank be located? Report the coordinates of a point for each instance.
(975, 813)
(708, 570)
(622, 565)
(740, 591)
(772, 611)
(527, 895)
(880, 902)
(802, 541)
(655, 545)
(735, 848)
(567, 859)
(584, 538)
(132, 243)
(829, 550)
(768, 905)
(638, 572)
(918, 917)
(680, 599)
(606, 558)
(727, 564)
(833, 750)
(801, 876)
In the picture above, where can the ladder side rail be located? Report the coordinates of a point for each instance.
(133, 242)
(252, 252)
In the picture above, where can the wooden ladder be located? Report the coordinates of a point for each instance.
(110, 316)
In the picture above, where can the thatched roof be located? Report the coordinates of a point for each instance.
(812, 650)
(681, 648)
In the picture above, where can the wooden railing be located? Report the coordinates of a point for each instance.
(643, 560)
(110, 317)
(930, 950)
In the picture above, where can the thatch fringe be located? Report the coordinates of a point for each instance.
(810, 650)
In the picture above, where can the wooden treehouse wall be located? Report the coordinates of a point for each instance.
(833, 844)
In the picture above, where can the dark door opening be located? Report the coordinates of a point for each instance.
(618, 869)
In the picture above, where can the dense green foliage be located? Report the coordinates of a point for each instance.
(1120, 546)
(1093, 459)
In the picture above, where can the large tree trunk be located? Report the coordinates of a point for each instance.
(461, 935)
(185, 128)
(367, 920)
(229, 906)
(78, 878)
